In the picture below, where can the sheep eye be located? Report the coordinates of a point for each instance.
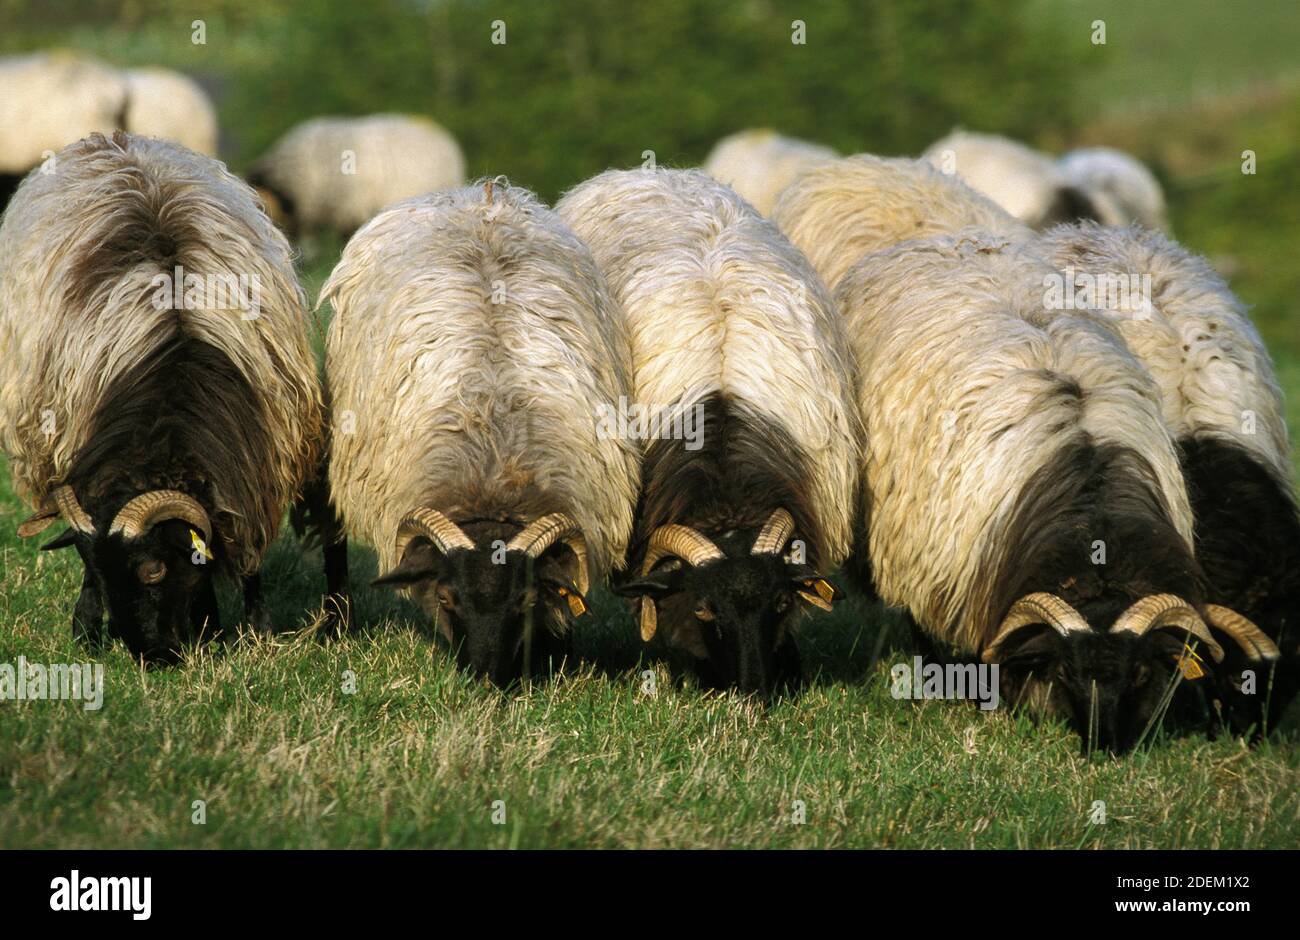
(1141, 676)
(704, 612)
(151, 572)
(782, 603)
(445, 599)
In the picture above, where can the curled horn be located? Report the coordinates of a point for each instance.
(540, 534)
(676, 541)
(148, 509)
(1039, 607)
(72, 512)
(775, 531)
(1254, 641)
(1163, 611)
(62, 502)
(434, 526)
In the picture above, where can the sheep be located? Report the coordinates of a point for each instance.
(1023, 497)
(473, 349)
(49, 100)
(167, 104)
(742, 366)
(1023, 181)
(165, 403)
(335, 173)
(838, 212)
(758, 164)
(1222, 401)
(1128, 184)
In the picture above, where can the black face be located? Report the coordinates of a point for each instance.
(735, 615)
(1109, 686)
(157, 590)
(497, 609)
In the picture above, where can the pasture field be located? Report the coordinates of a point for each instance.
(377, 741)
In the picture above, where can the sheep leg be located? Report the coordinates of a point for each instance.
(255, 611)
(788, 667)
(88, 617)
(338, 601)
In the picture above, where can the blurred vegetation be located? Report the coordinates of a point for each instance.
(581, 85)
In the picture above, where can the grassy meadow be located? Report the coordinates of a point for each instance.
(376, 740)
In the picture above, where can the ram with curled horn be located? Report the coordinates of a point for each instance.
(168, 432)
(1026, 504)
(483, 480)
(747, 499)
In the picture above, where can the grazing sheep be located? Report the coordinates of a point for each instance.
(473, 349)
(758, 164)
(1024, 500)
(843, 210)
(167, 104)
(167, 420)
(1222, 401)
(741, 363)
(1125, 181)
(1026, 183)
(47, 101)
(337, 172)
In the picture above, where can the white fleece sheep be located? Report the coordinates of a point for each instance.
(1027, 184)
(1130, 186)
(338, 172)
(473, 346)
(719, 303)
(758, 164)
(85, 246)
(51, 99)
(163, 103)
(840, 211)
(972, 387)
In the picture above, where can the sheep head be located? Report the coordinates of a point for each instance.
(150, 566)
(503, 597)
(730, 603)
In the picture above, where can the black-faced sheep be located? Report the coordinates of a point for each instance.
(1222, 401)
(840, 211)
(158, 390)
(473, 349)
(1122, 180)
(335, 173)
(741, 363)
(1024, 500)
(1024, 182)
(758, 164)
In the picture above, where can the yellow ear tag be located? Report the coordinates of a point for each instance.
(822, 587)
(197, 542)
(576, 606)
(1190, 664)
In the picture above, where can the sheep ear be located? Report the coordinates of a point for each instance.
(564, 587)
(419, 562)
(650, 587)
(68, 538)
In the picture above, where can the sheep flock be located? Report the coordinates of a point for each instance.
(982, 385)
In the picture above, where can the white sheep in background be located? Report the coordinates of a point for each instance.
(337, 172)
(473, 351)
(1130, 186)
(51, 99)
(163, 103)
(732, 330)
(1028, 184)
(838, 212)
(758, 164)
